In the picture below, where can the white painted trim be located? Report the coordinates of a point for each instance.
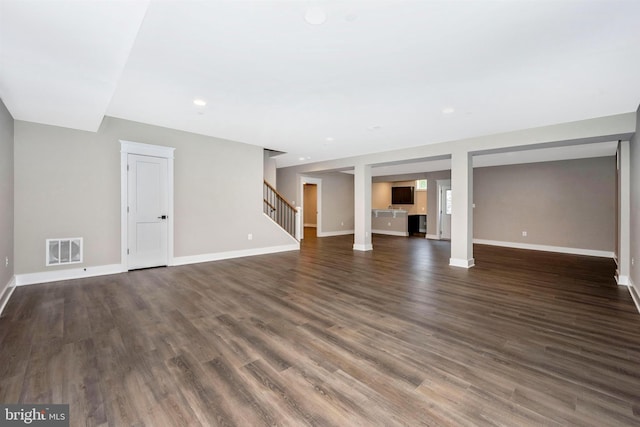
(546, 248)
(391, 232)
(311, 225)
(6, 293)
(68, 274)
(432, 236)
(334, 233)
(622, 280)
(634, 294)
(129, 147)
(218, 256)
(464, 263)
(360, 247)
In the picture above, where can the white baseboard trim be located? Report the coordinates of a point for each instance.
(311, 225)
(6, 293)
(72, 273)
(432, 237)
(391, 232)
(359, 247)
(218, 256)
(622, 280)
(634, 294)
(334, 233)
(464, 263)
(545, 248)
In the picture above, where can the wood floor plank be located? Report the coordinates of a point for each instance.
(331, 337)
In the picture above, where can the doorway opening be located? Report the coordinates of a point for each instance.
(443, 225)
(310, 209)
(311, 202)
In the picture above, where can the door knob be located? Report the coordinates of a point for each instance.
(162, 217)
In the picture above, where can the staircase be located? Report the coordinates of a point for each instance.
(281, 211)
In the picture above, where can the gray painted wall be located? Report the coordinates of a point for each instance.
(6, 196)
(336, 198)
(635, 205)
(288, 181)
(269, 166)
(337, 202)
(565, 203)
(67, 184)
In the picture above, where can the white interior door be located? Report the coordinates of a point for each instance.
(147, 211)
(445, 211)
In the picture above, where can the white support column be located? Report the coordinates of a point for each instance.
(362, 208)
(624, 214)
(462, 210)
(298, 230)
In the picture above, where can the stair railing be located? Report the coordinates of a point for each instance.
(281, 211)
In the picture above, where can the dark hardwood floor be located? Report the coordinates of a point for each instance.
(329, 336)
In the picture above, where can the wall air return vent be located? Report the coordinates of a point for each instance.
(64, 251)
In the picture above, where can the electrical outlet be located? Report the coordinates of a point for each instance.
(632, 261)
(249, 236)
(342, 223)
(6, 261)
(389, 224)
(524, 234)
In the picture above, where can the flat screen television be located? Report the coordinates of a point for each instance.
(402, 195)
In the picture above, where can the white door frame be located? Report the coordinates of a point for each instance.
(129, 147)
(318, 182)
(441, 184)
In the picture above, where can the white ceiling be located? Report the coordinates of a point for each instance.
(375, 76)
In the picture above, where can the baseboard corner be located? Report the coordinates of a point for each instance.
(634, 294)
(6, 293)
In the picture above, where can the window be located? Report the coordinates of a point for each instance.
(421, 184)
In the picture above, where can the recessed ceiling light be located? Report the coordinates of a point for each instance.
(329, 139)
(375, 127)
(302, 158)
(448, 110)
(315, 15)
(199, 102)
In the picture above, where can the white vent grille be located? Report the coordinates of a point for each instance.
(64, 251)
